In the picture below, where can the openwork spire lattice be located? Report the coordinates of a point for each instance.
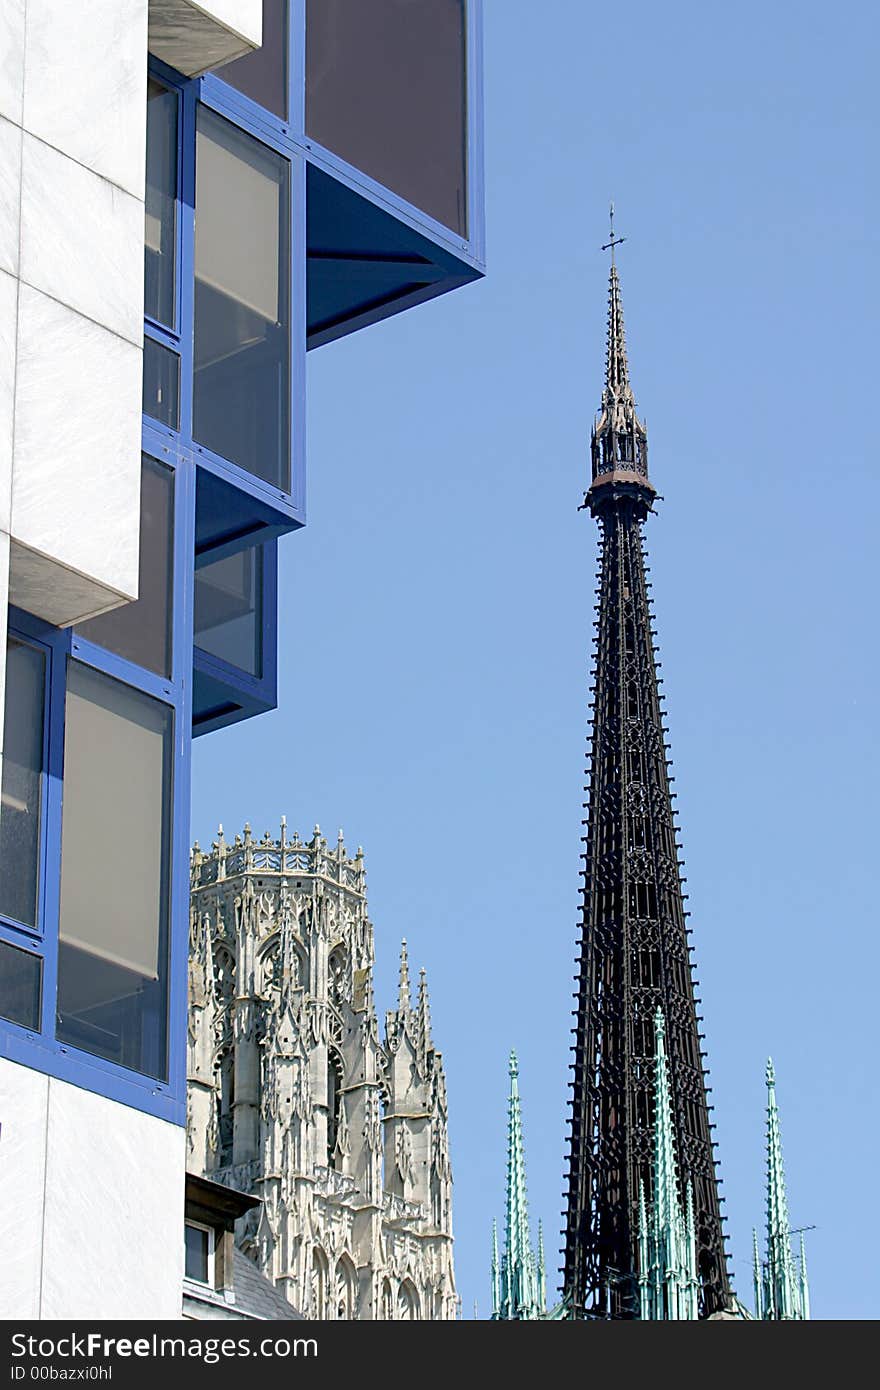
(634, 955)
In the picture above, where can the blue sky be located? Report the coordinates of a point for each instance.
(435, 615)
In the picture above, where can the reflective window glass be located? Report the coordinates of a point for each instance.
(385, 90)
(115, 871)
(262, 75)
(21, 794)
(141, 631)
(20, 984)
(227, 617)
(242, 323)
(197, 1251)
(161, 383)
(160, 228)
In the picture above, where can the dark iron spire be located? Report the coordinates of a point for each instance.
(634, 954)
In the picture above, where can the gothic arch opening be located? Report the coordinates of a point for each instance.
(407, 1302)
(320, 1271)
(344, 1295)
(334, 1104)
(387, 1301)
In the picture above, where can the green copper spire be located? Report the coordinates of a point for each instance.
(496, 1274)
(780, 1292)
(542, 1273)
(517, 1297)
(668, 1283)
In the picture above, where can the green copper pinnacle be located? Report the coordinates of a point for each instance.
(781, 1291)
(668, 1283)
(518, 1283)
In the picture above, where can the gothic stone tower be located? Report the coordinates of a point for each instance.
(634, 952)
(294, 1097)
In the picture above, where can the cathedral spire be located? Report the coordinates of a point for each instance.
(496, 1273)
(785, 1294)
(404, 992)
(424, 1016)
(519, 1281)
(619, 443)
(633, 927)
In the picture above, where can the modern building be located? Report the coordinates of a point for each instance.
(294, 1098)
(639, 1072)
(191, 195)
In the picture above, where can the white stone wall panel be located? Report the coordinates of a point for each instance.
(196, 35)
(76, 473)
(12, 15)
(23, 1121)
(8, 324)
(113, 1227)
(82, 240)
(10, 194)
(85, 84)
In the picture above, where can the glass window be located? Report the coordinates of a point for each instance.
(262, 75)
(242, 328)
(197, 1251)
(227, 618)
(115, 870)
(20, 797)
(20, 981)
(161, 383)
(385, 90)
(160, 230)
(141, 631)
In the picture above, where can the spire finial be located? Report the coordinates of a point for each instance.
(404, 994)
(425, 1040)
(519, 1274)
(612, 239)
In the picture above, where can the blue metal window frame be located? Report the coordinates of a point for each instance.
(289, 137)
(41, 1050)
(247, 694)
(11, 930)
(283, 511)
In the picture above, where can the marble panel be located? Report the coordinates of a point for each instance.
(85, 84)
(10, 194)
(76, 457)
(82, 239)
(11, 58)
(113, 1230)
(8, 328)
(23, 1116)
(4, 617)
(194, 37)
(41, 585)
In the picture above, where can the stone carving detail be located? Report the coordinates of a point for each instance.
(281, 969)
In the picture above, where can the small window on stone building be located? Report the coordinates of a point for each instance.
(199, 1253)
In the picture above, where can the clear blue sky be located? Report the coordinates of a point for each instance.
(435, 615)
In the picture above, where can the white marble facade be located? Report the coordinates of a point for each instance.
(293, 1095)
(91, 1191)
(91, 1212)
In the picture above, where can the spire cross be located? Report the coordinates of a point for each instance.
(612, 239)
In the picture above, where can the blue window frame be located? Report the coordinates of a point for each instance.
(355, 252)
(36, 1038)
